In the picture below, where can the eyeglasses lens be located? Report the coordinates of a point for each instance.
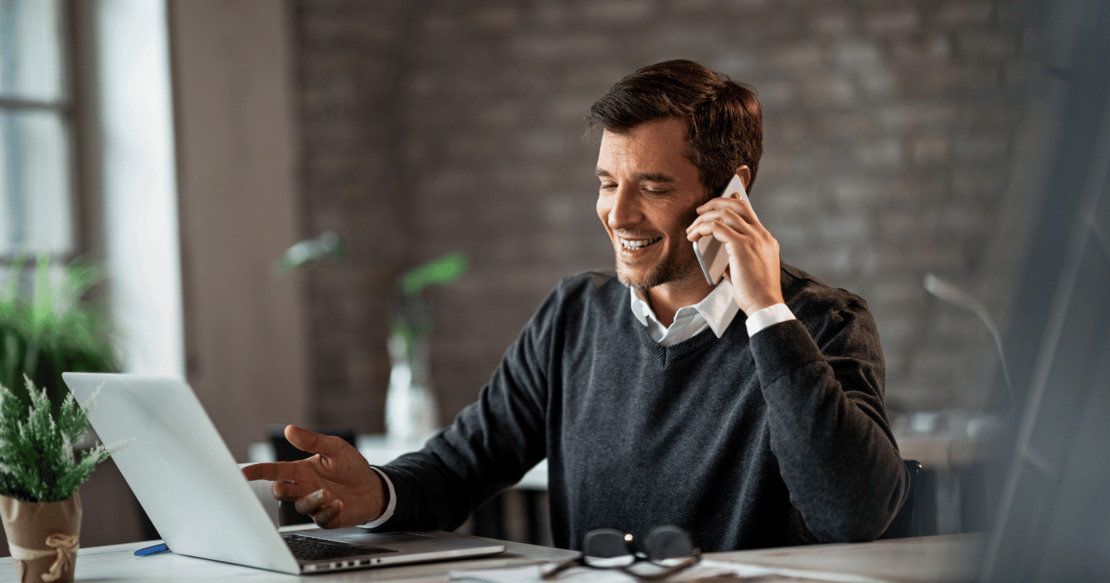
(668, 542)
(607, 547)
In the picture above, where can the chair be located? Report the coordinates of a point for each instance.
(907, 523)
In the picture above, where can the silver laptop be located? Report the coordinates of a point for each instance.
(185, 478)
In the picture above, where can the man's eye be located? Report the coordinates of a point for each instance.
(656, 191)
(608, 186)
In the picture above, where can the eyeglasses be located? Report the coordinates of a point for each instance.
(608, 548)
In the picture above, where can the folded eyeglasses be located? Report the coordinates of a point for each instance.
(667, 548)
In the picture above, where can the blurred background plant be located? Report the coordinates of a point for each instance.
(411, 410)
(412, 320)
(54, 329)
(328, 245)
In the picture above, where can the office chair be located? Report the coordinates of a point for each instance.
(907, 523)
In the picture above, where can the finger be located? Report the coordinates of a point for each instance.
(703, 222)
(730, 216)
(253, 472)
(703, 229)
(719, 225)
(274, 471)
(328, 516)
(291, 491)
(741, 207)
(312, 442)
(728, 236)
(717, 203)
(313, 502)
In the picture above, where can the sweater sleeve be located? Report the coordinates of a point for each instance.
(489, 447)
(822, 379)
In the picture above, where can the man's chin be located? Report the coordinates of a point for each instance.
(657, 277)
(641, 282)
(638, 286)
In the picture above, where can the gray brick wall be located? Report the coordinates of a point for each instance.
(432, 126)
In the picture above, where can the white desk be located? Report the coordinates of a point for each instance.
(944, 559)
(118, 563)
(951, 558)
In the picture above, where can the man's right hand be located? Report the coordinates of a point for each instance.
(336, 487)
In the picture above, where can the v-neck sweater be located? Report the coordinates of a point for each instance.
(775, 440)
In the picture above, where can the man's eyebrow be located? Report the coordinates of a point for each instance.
(643, 176)
(656, 177)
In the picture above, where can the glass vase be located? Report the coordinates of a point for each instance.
(411, 413)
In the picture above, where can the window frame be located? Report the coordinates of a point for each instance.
(66, 109)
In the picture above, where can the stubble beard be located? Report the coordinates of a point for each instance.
(670, 270)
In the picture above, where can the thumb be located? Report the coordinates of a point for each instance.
(312, 442)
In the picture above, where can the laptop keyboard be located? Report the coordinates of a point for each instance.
(308, 548)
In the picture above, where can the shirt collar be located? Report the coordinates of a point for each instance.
(716, 309)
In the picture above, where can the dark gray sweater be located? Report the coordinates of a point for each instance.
(779, 440)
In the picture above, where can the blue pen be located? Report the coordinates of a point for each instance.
(154, 550)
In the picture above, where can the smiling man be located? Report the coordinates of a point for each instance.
(749, 413)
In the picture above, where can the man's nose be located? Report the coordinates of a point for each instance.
(626, 208)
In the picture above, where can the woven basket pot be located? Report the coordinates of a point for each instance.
(42, 537)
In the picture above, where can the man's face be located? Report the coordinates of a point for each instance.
(648, 196)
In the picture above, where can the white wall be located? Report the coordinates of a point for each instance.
(244, 341)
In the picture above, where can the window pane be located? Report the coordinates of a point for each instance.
(34, 184)
(31, 65)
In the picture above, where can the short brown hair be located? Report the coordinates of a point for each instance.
(723, 118)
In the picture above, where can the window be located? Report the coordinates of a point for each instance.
(36, 178)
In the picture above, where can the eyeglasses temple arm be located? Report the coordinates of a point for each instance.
(560, 568)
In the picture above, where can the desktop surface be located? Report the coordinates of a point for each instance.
(953, 558)
(118, 563)
(945, 559)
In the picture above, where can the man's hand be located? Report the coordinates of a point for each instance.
(336, 487)
(753, 254)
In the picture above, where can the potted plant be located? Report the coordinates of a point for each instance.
(52, 330)
(40, 472)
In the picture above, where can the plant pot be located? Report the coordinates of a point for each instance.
(42, 537)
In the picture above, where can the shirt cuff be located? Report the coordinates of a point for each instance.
(390, 507)
(767, 317)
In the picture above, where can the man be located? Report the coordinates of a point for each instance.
(749, 413)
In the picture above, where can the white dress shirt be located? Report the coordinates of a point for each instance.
(390, 507)
(716, 311)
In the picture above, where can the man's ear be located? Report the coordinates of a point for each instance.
(745, 174)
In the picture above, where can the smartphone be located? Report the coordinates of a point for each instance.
(710, 252)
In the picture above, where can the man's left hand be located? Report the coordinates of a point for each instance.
(753, 254)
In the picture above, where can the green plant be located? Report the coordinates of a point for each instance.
(412, 321)
(37, 458)
(55, 330)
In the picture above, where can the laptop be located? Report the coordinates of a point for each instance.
(195, 495)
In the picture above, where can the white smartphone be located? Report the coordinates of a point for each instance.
(710, 252)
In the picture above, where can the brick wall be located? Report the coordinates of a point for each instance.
(432, 126)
